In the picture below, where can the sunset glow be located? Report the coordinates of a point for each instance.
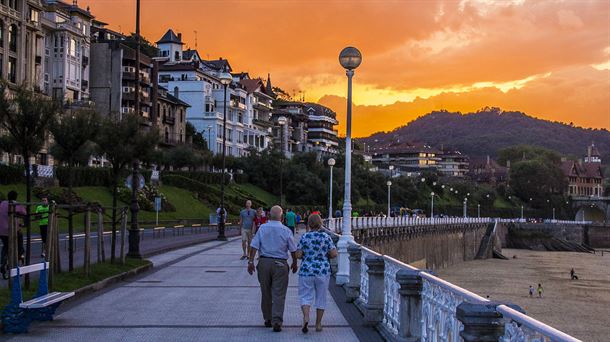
(549, 59)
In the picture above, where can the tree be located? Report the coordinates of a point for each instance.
(73, 136)
(537, 180)
(26, 116)
(122, 142)
(146, 47)
(197, 138)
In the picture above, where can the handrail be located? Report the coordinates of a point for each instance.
(546, 330)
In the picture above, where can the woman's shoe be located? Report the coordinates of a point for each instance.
(318, 328)
(305, 329)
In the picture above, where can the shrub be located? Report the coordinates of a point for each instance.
(10, 174)
(84, 176)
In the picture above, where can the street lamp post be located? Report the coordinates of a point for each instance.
(432, 204)
(465, 207)
(478, 209)
(522, 212)
(331, 163)
(225, 79)
(389, 183)
(282, 122)
(350, 58)
(553, 214)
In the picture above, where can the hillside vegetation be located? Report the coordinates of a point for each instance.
(491, 129)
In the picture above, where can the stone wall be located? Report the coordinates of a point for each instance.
(596, 236)
(432, 247)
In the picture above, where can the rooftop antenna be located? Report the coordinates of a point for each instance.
(195, 39)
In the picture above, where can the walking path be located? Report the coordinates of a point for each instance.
(199, 293)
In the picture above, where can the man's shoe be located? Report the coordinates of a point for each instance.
(268, 324)
(277, 327)
(242, 257)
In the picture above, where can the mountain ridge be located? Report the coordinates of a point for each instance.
(490, 129)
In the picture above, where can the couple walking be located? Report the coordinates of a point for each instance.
(273, 242)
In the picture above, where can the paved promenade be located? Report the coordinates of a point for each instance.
(198, 293)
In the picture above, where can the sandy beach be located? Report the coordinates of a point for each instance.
(580, 308)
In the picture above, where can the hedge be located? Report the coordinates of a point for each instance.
(10, 174)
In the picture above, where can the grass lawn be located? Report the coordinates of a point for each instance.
(70, 281)
(259, 193)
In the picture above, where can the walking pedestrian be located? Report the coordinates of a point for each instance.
(246, 223)
(531, 291)
(42, 211)
(273, 242)
(291, 220)
(259, 220)
(540, 290)
(315, 249)
(573, 275)
(19, 210)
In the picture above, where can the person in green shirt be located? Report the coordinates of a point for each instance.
(291, 220)
(42, 212)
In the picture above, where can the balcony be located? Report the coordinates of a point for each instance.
(85, 61)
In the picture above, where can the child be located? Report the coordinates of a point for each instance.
(531, 291)
(540, 290)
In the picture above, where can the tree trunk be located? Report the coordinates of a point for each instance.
(27, 221)
(70, 220)
(114, 204)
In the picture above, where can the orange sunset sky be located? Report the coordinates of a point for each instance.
(549, 59)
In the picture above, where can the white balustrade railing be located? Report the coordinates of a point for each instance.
(439, 300)
(364, 277)
(334, 224)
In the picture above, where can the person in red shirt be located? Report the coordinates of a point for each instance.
(259, 219)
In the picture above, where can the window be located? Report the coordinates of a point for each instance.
(177, 55)
(1, 64)
(33, 15)
(72, 47)
(12, 38)
(181, 116)
(1, 33)
(12, 69)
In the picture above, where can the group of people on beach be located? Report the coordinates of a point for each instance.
(272, 236)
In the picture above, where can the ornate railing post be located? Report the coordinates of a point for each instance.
(482, 322)
(334, 263)
(410, 312)
(373, 309)
(352, 289)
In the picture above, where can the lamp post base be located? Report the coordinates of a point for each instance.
(343, 259)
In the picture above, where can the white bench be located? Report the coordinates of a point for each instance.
(18, 314)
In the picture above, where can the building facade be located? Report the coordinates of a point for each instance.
(453, 164)
(321, 133)
(67, 31)
(585, 178)
(289, 127)
(169, 117)
(406, 157)
(113, 77)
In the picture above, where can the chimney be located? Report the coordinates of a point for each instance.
(589, 149)
(180, 36)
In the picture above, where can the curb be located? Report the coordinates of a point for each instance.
(79, 293)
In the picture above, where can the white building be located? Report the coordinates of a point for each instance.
(67, 30)
(196, 82)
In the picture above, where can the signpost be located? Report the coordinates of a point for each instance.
(157, 208)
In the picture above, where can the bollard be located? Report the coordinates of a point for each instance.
(352, 288)
(410, 310)
(373, 308)
(482, 322)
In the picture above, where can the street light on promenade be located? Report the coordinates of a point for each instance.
(210, 137)
(389, 184)
(479, 210)
(331, 163)
(465, 207)
(225, 79)
(432, 204)
(282, 121)
(349, 58)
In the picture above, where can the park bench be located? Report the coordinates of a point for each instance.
(178, 229)
(158, 230)
(196, 226)
(17, 315)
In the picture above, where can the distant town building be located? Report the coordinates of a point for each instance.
(290, 137)
(584, 178)
(406, 157)
(321, 132)
(453, 164)
(487, 170)
(170, 116)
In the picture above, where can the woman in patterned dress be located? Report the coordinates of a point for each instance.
(315, 249)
